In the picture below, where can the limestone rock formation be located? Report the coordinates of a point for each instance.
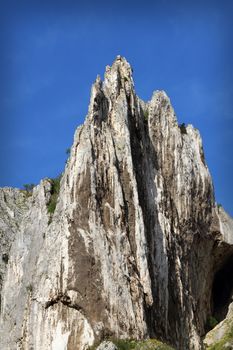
(136, 242)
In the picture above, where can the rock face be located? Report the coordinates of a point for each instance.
(13, 206)
(136, 242)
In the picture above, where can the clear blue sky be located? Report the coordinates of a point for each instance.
(51, 52)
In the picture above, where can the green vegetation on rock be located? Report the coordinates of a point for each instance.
(146, 114)
(183, 128)
(212, 322)
(28, 187)
(55, 189)
(225, 343)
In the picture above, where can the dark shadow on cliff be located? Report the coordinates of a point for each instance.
(145, 164)
(222, 290)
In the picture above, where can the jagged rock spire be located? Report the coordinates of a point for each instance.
(135, 241)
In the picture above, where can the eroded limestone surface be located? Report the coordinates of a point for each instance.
(136, 240)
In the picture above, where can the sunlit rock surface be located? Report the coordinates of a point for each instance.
(136, 241)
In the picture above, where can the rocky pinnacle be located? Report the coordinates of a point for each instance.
(135, 244)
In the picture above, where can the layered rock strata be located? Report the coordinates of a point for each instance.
(136, 241)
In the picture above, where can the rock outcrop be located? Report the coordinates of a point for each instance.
(107, 345)
(136, 242)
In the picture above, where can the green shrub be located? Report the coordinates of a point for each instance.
(146, 114)
(28, 187)
(52, 205)
(125, 344)
(183, 128)
(211, 322)
(55, 189)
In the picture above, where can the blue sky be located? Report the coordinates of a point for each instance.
(51, 52)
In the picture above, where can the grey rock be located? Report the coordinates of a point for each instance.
(107, 345)
(13, 205)
(135, 242)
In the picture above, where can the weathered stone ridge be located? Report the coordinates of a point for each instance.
(136, 241)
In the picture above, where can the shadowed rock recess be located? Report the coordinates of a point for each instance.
(136, 247)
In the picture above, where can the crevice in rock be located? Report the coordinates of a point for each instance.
(145, 165)
(127, 209)
(65, 300)
(222, 290)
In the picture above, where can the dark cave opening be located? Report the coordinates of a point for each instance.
(222, 291)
